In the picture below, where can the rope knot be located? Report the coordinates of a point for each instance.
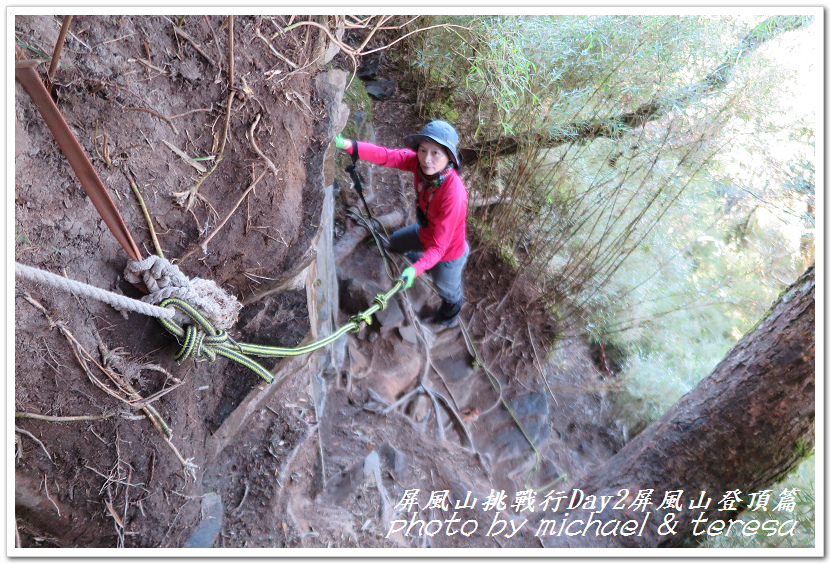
(194, 345)
(359, 319)
(381, 301)
(165, 280)
(202, 341)
(200, 344)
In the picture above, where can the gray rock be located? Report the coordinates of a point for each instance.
(358, 363)
(390, 317)
(394, 461)
(331, 85)
(456, 367)
(369, 67)
(205, 533)
(380, 89)
(409, 334)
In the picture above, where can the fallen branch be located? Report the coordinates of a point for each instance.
(61, 418)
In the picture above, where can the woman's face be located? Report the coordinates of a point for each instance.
(433, 157)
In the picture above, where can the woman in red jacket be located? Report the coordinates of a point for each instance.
(438, 242)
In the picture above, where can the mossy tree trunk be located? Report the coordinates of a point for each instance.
(744, 427)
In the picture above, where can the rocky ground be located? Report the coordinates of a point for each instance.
(321, 457)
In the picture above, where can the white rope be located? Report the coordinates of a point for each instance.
(114, 299)
(164, 280)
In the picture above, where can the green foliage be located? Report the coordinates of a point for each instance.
(650, 235)
(706, 289)
(669, 240)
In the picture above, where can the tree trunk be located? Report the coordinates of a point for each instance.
(744, 427)
(614, 127)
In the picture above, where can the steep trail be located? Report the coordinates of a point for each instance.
(315, 459)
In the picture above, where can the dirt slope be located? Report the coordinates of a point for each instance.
(118, 73)
(316, 459)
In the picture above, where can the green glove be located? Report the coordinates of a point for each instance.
(408, 276)
(342, 143)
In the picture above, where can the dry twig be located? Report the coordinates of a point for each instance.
(104, 154)
(179, 33)
(131, 179)
(188, 198)
(230, 52)
(46, 490)
(56, 54)
(185, 157)
(32, 436)
(354, 53)
(123, 392)
(252, 138)
(203, 245)
(154, 113)
(273, 50)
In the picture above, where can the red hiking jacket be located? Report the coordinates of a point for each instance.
(445, 237)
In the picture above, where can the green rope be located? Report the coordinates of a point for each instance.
(201, 340)
(479, 360)
(497, 388)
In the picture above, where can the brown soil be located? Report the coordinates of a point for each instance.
(285, 478)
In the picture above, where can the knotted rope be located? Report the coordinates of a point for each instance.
(165, 280)
(121, 302)
(200, 337)
(201, 340)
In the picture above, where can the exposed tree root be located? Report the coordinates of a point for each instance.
(123, 392)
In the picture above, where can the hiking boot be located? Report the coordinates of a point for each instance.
(446, 316)
(441, 326)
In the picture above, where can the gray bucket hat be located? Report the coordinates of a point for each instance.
(439, 132)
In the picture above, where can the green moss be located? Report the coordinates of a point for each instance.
(802, 451)
(360, 110)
